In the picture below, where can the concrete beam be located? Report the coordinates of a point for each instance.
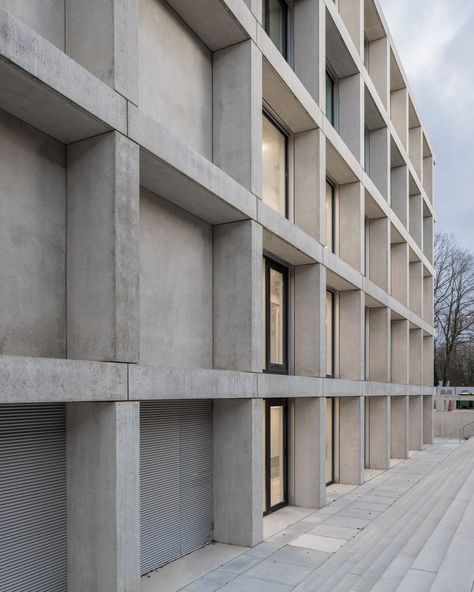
(351, 440)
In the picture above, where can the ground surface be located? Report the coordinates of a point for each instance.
(408, 529)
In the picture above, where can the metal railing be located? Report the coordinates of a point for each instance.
(466, 431)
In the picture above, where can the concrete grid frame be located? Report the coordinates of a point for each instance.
(133, 237)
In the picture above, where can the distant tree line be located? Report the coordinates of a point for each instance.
(453, 312)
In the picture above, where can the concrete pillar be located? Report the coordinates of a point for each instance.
(399, 113)
(237, 113)
(351, 440)
(379, 432)
(415, 426)
(428, 170)
(237, 296)
(427, 419)
(428, 362)
(379, 59)
(379, 252)
(352, 13)
(103, 497)
(379, 344)
(416, 219)
(399, 431)
(351, 224)
(416, 356)
(238, 471)
(416, 148)
(103, 37)
(310, 452)
(379, 156)
(399, 193)
(351, 113)
(310, 183)
(428, 297)
(310, 320)
(400, 351)
(416, 287)
(399, 267)
(428, 238)
(351, 335)
(103, 249)
(309, 27)
(256, 8)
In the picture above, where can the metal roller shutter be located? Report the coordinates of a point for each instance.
(176, 480)
(33, 536)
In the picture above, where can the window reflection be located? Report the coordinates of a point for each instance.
(276, 23)
(273, 166)
(329, 334)
(277, 481)
(276, 317)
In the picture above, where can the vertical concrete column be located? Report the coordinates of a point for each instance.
(103, 37)
(351, 224)
(399, 431)
(400, 351)
(237, 296)
(351, 334)
(238, 471)
(399, 272)
(351, 440)
(256, 8)
(427, 419)
(237, 113)
(399, 113)
(310, 47)
(103, 497)
(416, 219)
(399, 193)
(352, 13)
(310, 183)
(415, 422)
(416, 356)
(428, 297)
(103, 249)
(416, 149)
(428, 170)
(379, 432)
(351, 114)
(310, 319)
(416, 287)
(428, 238)
(379, 155)
(310, 452)
(428, 362)
(379, 252)
(379, 344)
(379, 59)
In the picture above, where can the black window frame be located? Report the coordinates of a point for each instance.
(331, 74)
(286, 134)
(332, 247)
(333, 333)
(275, 403)
(286, 20)
(270, 367)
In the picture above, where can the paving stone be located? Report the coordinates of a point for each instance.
(338, 532)
(301, 556)
(248, 584)
(279, 571)
(263, 550)
(318, 543)
(241, 563)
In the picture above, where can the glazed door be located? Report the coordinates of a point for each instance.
(275, 438)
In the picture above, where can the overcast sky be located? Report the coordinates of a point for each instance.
(435, 41)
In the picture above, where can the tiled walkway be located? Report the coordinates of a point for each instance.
(409, 529)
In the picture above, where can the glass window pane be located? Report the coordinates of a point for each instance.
(276, 23)
(329, 98)
(329, 216)
(276, 317)
(329, 442)
(264, 451)
(277, 479)
(274, 166)
(329, 334)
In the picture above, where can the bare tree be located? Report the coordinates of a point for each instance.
(453, 300)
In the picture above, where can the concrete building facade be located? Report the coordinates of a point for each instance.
(216, 282)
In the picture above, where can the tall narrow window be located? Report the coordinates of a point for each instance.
(275, 18)
(274, 165)
(331, 97)
(330, 216)
(330, 334)
(276, 315)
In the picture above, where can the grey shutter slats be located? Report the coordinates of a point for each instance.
(33, 535)
(176, 480)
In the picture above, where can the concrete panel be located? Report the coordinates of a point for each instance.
(237, 114)
(379, 155)
(416, 219)
(399, 193)
(399, 431)
(416, 356)
(379, 344)
(352, 13)
(379, 415)
(351, 334)
(415, 425)
(428, 360)
(351, 440)
(428, 419)
(447, 423)
(400, 351)
(379, 252)
(428, 298)
(45, 17)
(175, 286)
(351, 224)
(379, 60)
(400, 266)
(103, 497)
(102, 249)
(237, 296)
(238, 472)
(428, 238)
(416, 149)
(185, 70)
(32, 242)
(399, 113)
(351, 114)
(416, 288)
(310, 452)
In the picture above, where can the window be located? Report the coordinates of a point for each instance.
(275, 19)
(274, 165)
(331, 97)
(330, 216)
(330, 334)
(276, 317)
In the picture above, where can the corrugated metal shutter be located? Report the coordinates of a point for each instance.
(176, 481)
(33, 536)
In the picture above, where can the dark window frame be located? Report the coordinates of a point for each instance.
(332, 247)
(286, 20)
(333, 333)
(331, 74)
(274, 403)
(272, 368)
(286, 134)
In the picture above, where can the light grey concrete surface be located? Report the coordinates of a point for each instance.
(46, 18)
(446, 424)
(400, 419)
